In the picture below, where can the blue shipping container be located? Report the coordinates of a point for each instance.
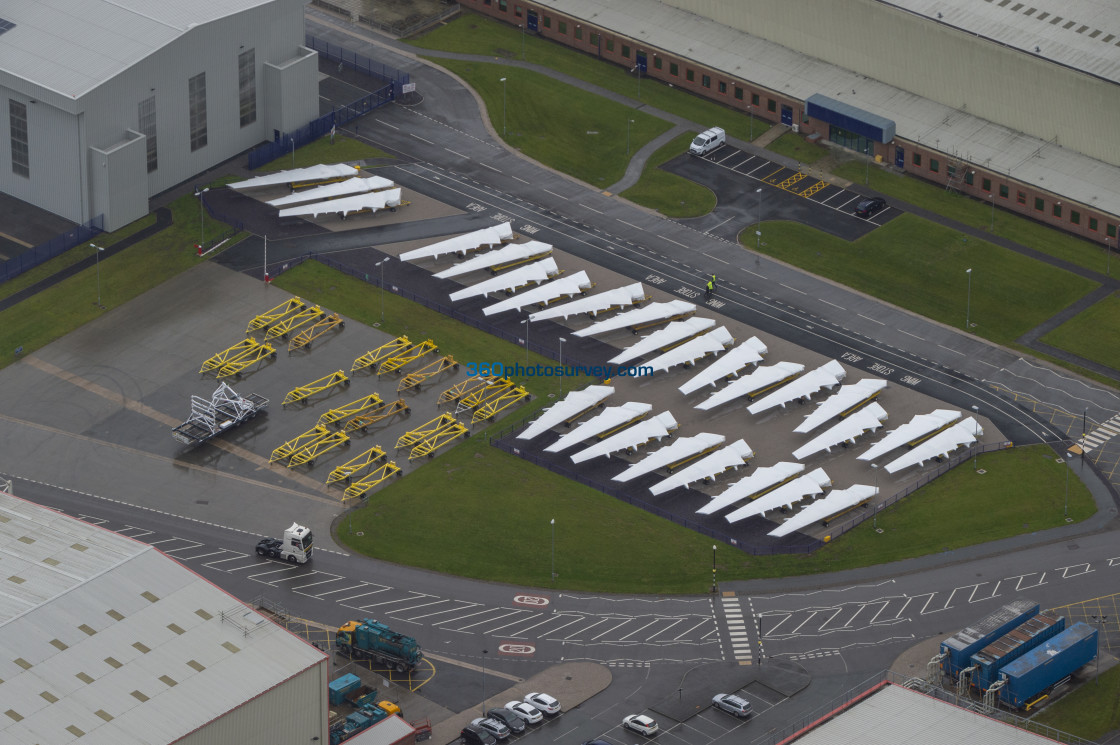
(1046, 664)
(1013, 645)
(339, 687)
(960, 647)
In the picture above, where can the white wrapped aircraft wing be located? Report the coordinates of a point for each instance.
(652, 313)
(713, 342)
(610, 419)
(939, 446)
(632, 437)
(671, 334)
(729, 365)
(509, 281)
(461, 244)
(572, 406)
(826, 376)
(732, 456)
(845, 399)
(562, 287)
(838, 500)
(374, 200)
(763, 377)
(917, 428)
(759, 481)
(512, 254)
(622, 297)
(786, 495)
(683, 449)
(356, 185)
(867, 419)
(297, 175)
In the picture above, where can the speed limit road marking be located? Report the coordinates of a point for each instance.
(531, 601)
(516, 649)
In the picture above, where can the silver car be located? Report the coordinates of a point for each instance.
(732, 704)
(493, 726)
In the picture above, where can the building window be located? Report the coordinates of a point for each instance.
(1093, 224)
(517, 10)
(656, 62)
(578, 33)
(934, 165)
(626, 51)
(1004, 191)
(706, 81)
(610, 45)
(197, 104)
(1021, 197)
(754, 99)
(147, 115)
(771, 105)
(547, 21)
(951, 171)
(738, 93)
(247, 86)
(969, 176)
(503, 6)
(1110, 230)
(986, 184)
(17, 118)
(1039, 204)
(673, 69)
(1075, 217)
(594, 39)
(563, 27)
(690, 76)
(916, 158)
(485, 2)
(723, 87)
(1057, 209)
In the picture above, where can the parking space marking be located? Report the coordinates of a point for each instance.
(613, 628)
(512, 623)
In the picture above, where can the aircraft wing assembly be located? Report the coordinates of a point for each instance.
(917, 428)
(573, 405)
(842, 402)
(374, 200)
(356, 185)
(541, 294)
(621, 297)
(825, 376)
(867, 419)
(681, 450)
(939, 446)
(671, 334)
(651, 314)
(760, 481)
(633, 437)
(764, 376)
(732, 456)
(611, 419)
(535, 273)
(514, 253)
(729, 365)
(786, 495)
(461, 244)
(838, 500)
(297, 175)
(686, 354)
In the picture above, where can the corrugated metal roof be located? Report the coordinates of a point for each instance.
(895, 714)
(386, 732)
(118, 627)
(1082, 34)
(997, 148)
(71, 47)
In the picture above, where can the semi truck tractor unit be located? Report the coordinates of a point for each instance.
(375, 641)
(294, 547)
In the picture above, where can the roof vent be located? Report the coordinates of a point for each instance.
(6, 25)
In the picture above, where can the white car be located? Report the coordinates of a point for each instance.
(641, 724)
(544, 702)
(528, 712)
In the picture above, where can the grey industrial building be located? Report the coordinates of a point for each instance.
(108, 102)
(105, 640)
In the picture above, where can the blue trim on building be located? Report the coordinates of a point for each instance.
(851, 118)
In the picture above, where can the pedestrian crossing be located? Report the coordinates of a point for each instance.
(1100, 435)
(737, 629)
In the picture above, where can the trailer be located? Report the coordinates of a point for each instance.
(224, 410)
(1013, 645)
(958, 649)
(1029, 679)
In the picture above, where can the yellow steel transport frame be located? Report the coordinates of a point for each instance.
(289, 448)
(226, 355)
(860, 405)
(478, 395)
(309, 453)
(385, 411)
(494, 406)
(411, 354)
(501, 267)
(315, 386)
(438, 438)
(309, 334)
(457, 391)
(266, 319)
(355, 466)
(640, 327)
(674, 466)
(251, 357)
(427, 429)
(414, 379)
(583, 292)
(360, 488)
(624, 425)
(755, 394)
(384, 352)
(361, 406)
(285, 326)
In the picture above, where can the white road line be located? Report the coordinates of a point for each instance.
(716, 258)
(448, 610)
(362, 595)
(519, 179)
(577, 619)
(834, 305)
(664, 630)
(312, 584)
(456, 153)
(624, 638)
(709, 230)
(909, 334)
(690, 629)
(672, 241)
(764, 164)
(469, 615)
(387, 124)
(413, 596)
(581, 204)
(200, 556)
(487, 165)
(783, 284)
(989, 364)
(410, 134)
(588, 628)
(401, 611)
(343, 589)
(635, 227)
(826, 201)
(951, 350)
(555, 194)
(845, 204)
(619, 626)
(876, 320)
(488, 620)
(512, 623)
(807, 619)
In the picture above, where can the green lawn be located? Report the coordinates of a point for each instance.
(668, 193)
(797, 147)
(1090, 712)
(575, 132)
(475, 34)
(978, 214)
(1094, 333)
(921, 266)
(344, 150)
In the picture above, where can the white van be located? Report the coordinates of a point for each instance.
(707, 141)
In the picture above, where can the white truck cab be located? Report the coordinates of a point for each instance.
(294, 547)
(707, 141)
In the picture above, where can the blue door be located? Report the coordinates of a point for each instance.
(640, 59)
(899, 158)
(787, 115)
(531, 20)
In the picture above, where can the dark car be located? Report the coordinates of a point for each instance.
(868, 207)
(472, 735)
(511, 719)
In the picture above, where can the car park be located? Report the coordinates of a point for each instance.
(545, 703)
(511, 719)
(528, 712)
(472, 735)
(732, 704)
(641, 724)
(493, 726)
(868, 207)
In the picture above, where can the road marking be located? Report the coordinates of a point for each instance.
(486, 165)
(453, 152)
(909, 334)
(951, 350)
(635, 227)
(520, 179)
(555, 194)
(532, 601)
(876, 320)
(410, 134)
(834, 305)
(783, 284)
(387, 124)
(672, 241)
(581, 204)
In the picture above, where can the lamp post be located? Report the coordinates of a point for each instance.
(714, 590)
(484, 682)
(526, 322)
(562, 340)
(382, 264)
(266, 259)
(968, 300)
(552, 522)
(201, 216)
(976, 434)
(867, 165)
(628, 123)
(875, 517)
(1065, 510)
(503, 107)
(992, 227)
(758, 223)
(639, 66)
(293, 141)
(750, 110)
(1107, 257)
(97, 263)
(522, 27)
(1099, 621)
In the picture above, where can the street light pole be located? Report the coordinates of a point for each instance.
(758, 223)
(522, 27)
(628, 123)
(526, 322)
(992, 227)
(976, 434)
(750, 110)
(382, 264)
(562, 340)
(875, 518)
(201, 216)
(1065, 510)
(968, 301)
(552, 522)
(714, 590)
(503, 107)
(1099, 621)
(1107, 257)
(293, 141)
(97, 263)
(484, 682)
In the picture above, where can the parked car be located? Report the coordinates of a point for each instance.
(472, 735)
(547, 704)
(732, 704)
(707, 141)
(596, 742)
(641, 724)
(509, 718)
(528, 712)
(493, 726)
(868, 207)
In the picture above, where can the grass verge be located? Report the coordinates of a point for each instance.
(344, 150)
(475, 34)
(571, 130)
(920, 266)
(797, 147)
(1094, 333)
(668, 193)
(1090, 712)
